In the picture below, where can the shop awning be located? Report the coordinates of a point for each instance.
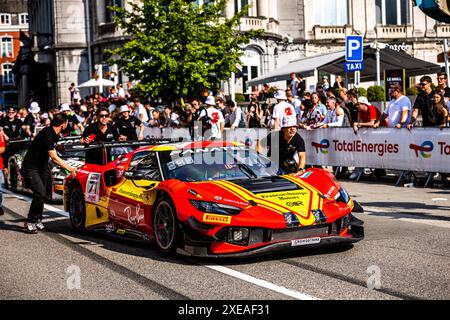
(334, 63)
(304, 66)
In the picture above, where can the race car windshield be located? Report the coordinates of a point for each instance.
(219, 164)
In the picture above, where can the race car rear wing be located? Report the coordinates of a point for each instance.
(107, 146)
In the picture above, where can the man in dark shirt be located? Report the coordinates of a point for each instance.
(352, 106)
(11, 125)
(99, 131)
(442, 84)
(35, 169)
(424, 104)
(12, 128)
(72, 121)
(286, 147)
(126, 125)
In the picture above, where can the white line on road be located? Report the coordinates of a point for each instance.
(46, 206)
(259, 282)
(222, 269)
(439, 199)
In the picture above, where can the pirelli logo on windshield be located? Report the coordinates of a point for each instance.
(214, 218)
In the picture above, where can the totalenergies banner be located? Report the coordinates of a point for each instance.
(422, 150)
(426, 150)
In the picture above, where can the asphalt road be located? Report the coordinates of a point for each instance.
(405, 255)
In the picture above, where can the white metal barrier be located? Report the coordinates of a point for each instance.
(421, 149)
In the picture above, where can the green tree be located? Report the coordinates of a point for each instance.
(178, 48)
(375, 93)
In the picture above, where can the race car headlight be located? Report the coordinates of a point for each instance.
(213, 207)
(342, 196)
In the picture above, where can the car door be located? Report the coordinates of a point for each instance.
(132, 198)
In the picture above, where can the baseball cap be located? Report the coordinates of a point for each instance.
(363, 100)
(289, 121)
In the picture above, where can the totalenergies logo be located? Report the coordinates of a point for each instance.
(423, 149)
(322, 146)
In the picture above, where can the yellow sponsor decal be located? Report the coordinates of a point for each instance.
(214, 218)
(120, 231)
(297, 201)
(128, 190)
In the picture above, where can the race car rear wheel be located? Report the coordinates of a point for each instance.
(77, 209)
(166, 228)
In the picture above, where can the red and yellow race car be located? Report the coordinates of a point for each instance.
(215, 199)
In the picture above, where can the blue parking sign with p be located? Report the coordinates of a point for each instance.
(354, 49)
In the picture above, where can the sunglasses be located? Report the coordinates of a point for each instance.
(103, 115)
(423, 84)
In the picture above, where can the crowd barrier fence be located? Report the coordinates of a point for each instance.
(419, 149)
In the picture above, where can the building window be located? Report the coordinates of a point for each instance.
(330, 12)
(23, 18)
(7, 73)
(5, 18)
(239, 5)
(392, 12)
(109, 13)
(7, 47)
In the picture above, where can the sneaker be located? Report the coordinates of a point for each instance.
(40, 226)
(31, 227)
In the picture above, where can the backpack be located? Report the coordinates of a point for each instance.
(206, 120)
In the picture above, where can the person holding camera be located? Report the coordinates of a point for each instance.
(254, 115)
(286, 146)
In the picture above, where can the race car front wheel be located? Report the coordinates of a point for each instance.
(165, 223)
(77, 210)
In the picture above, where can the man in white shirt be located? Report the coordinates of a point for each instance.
(334, 116)
(215, 120)
(139, 111)
(398, 111)
(237, 118)
(282, 109)
(120, 91)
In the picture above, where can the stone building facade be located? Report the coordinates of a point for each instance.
(324, 24)
(70, 36)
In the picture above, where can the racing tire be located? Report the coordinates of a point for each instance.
(77, 210)
(166, 228)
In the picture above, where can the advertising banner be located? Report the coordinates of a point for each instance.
(422, 149)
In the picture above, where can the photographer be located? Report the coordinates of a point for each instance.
(289, 145)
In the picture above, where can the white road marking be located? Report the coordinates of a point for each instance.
(439, 199)
(260, 283)
(221, 269)
(46, 206)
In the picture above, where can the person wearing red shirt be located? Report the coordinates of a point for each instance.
(367, 114)
(367, 117)
(2, 179)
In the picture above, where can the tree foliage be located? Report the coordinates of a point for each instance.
(177, 47)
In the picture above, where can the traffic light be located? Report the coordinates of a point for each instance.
(436, 9)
